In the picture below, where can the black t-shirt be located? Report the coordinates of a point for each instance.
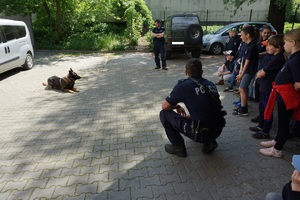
(251, 54)
(272, 67)
(290, 72)
(229, 65)
(158, 41)
(232, 44)
(200, 105)
(289, 194)
(261, 48)
(241, 50)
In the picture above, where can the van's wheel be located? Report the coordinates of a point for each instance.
(28, 62)
(216, 48)
(168, 55)
(196, 53)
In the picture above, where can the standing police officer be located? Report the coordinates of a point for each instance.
(206, 119)
(159, 45)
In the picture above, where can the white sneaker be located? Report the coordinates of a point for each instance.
(268, 144)
(271, 152)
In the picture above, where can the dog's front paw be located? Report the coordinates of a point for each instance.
(76, 90)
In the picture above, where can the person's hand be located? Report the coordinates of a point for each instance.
(181, 111)
(297, 86)
(260, 74)
(295, 181)
(239, 78)
(159, 35)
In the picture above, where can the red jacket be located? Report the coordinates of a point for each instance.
(291, 99)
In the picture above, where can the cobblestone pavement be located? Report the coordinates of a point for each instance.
(106, 142)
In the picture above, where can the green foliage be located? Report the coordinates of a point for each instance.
(290, 11)
(149, 39)
(137, 16)
(65, 24)
(288, 26)
(95, 41)
(238, 3)
(211, 29)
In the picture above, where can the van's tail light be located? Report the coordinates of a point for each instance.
(274, 33)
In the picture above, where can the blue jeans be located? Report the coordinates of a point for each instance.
(234, 74)
(273, 196)
(266, 125)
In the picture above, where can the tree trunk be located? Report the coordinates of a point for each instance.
(58, 10)
(276, 16)
(47, 9)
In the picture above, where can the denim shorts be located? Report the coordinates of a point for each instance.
(246, 80)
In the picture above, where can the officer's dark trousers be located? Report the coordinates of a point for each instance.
(159, 48)
(175, 124)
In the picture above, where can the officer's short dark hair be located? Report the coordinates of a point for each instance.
(194, 67)
(158, 21)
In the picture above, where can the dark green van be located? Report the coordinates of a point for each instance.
(183, 33)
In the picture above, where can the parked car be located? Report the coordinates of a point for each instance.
(183, 33)
(15, 45)
(214, 43)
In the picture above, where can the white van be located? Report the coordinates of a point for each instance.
(15, 45)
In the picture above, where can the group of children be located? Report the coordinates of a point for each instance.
(267, 68)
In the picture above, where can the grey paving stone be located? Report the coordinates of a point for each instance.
(106, 142)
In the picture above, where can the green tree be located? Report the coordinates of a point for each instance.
(136, 14)
(57, 20)
(277, 10)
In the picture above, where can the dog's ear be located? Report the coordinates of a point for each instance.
(71, 70)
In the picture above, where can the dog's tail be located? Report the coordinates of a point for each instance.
(45, 84)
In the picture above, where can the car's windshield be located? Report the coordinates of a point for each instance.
(221, 30)
(184, 21)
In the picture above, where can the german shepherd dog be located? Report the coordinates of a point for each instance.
(65, 84)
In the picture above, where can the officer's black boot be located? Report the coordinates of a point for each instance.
(177, 150)
(209, 147)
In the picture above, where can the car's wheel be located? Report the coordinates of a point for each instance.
(168, 55)
(196, 53)
(193, 34)
(28, 62)
(216, 48)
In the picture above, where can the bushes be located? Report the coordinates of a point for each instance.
(95, 41)
(77, 24)
(100, 36)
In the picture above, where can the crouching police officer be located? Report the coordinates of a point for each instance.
(206, 119)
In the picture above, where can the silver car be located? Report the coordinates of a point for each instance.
(214, 43)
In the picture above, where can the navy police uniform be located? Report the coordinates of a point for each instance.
(201, 107)
(159, 47)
